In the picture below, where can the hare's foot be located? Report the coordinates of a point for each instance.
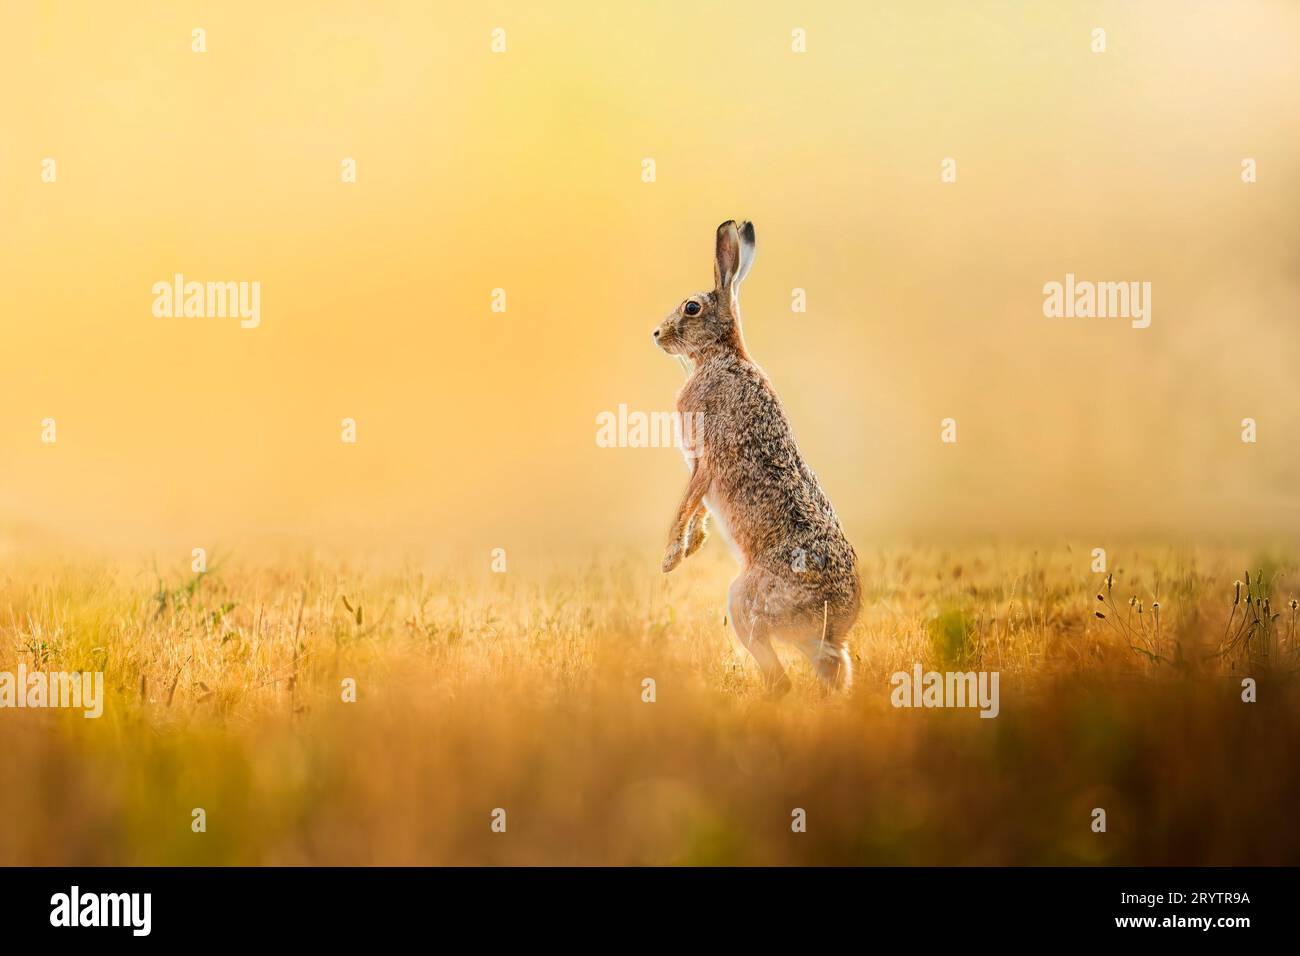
(673, 556)
(831, 664)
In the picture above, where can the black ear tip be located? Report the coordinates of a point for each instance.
(747, 230)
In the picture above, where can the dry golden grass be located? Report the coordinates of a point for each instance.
(523, 691)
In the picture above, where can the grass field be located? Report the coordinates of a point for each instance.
(524, 691)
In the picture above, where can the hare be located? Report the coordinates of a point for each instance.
(799, 574)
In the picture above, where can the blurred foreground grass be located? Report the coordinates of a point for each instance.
(523, 691)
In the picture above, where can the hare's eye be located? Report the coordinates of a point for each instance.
(692, 308)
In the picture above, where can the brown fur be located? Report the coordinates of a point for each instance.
(799, 575)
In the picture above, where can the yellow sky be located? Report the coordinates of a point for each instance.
(522, 171)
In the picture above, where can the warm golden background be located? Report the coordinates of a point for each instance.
(522, 171)
(477, 430)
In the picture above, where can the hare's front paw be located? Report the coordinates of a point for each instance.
(695, 536)
(673, 556)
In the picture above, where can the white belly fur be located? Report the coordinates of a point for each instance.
(717, 520)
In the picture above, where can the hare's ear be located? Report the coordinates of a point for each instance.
(746, 231)
(726, 263)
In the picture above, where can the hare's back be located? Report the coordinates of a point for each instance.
(756, 464)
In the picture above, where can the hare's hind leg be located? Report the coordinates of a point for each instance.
(820, 634)
(825, 649)
(747, 607)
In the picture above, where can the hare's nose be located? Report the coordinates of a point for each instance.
(656, 333)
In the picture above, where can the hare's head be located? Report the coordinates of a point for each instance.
(708, 323)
